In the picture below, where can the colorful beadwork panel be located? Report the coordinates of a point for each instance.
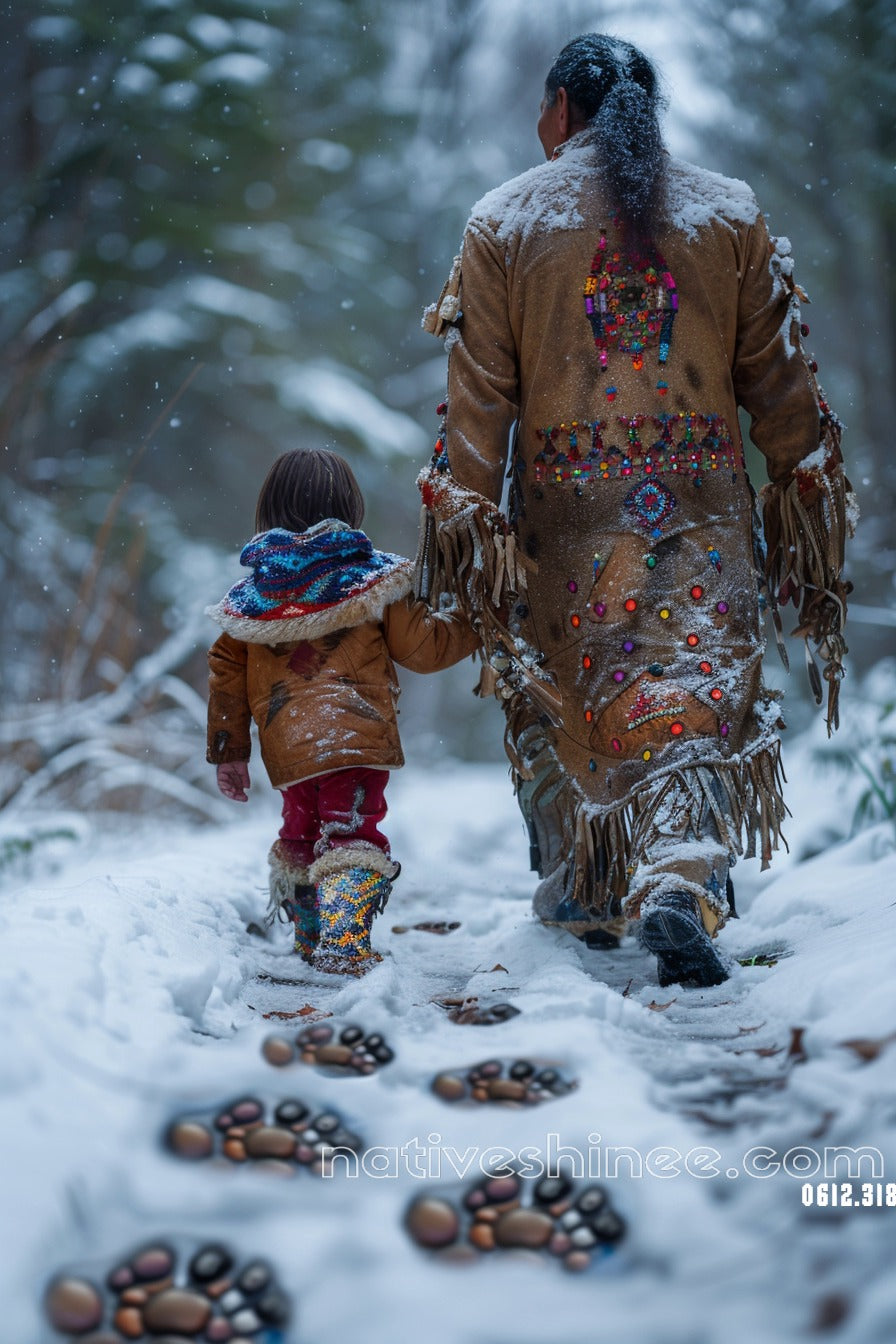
(677, 443)
(631, 302)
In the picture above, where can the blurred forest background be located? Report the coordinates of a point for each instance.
(220, 222)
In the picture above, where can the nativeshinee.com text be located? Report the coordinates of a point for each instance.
(432, 1159)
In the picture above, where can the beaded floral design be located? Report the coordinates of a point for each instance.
(631, 302)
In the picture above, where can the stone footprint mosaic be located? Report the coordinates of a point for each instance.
(515, 1082)
(283, 1139)
(575, 1225)
(155, 1293)
(340, 1050)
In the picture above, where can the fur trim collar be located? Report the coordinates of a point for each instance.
(306, 585)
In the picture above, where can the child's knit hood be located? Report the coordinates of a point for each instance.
(307, 584)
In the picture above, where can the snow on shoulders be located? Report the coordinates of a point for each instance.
(546, 196)
(698, 196)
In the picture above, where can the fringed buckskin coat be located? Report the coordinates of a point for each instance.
(308, 652)
(619, 600)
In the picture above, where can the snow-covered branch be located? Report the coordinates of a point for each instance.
(143, 735)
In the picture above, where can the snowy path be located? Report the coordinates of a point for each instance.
(128, 1003)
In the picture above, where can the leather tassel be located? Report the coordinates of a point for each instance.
(814, 674)
(468, 551)
(779, 637)
(807, 521)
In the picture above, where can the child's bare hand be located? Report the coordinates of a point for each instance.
(233, 780)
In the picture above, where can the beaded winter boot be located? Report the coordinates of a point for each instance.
(671, 928)
(293, 899)
(353, 884)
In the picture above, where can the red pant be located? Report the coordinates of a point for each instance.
(333, 810)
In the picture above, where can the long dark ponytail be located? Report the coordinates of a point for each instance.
(614, 88)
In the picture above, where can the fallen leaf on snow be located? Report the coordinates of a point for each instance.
(796, 1050)
(707, 1117)
(469, 1011)
(830, 1312)
(308, 1011)
(823, 1125)
(660, 1007)
(869, 1047)
(428, 926)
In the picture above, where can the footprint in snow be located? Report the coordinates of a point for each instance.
(290, 1139)
(510, 1083)
(341, 1051)
(147, 1292)
(575, 1225)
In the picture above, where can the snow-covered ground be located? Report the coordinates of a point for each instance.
(126, 1001)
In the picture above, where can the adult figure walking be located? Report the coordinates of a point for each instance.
(609, 313)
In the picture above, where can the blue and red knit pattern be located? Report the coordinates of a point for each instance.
(299, 574)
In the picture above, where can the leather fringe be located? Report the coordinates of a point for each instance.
(283, 878)
(806, 523)
(738, 802)
(742, 797)
(468, 555)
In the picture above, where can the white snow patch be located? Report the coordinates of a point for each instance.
(543, 198)
(75, 296)
(134, 79)
(273, 242)
(332, 397)
(53, 28)
(815, 461)
(211, 31)
(179, 95)
(258, 36)
(781, 265)
(696, 197)
(330, 155)
(235, 68)
(155, 327)
(164, 49)
(230, 300)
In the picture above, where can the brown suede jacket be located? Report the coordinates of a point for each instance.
(328, 701)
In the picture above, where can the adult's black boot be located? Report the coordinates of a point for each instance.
(672, 929)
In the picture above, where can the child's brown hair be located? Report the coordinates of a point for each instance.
(306, 486)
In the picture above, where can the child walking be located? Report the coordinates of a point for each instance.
(308, 651)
